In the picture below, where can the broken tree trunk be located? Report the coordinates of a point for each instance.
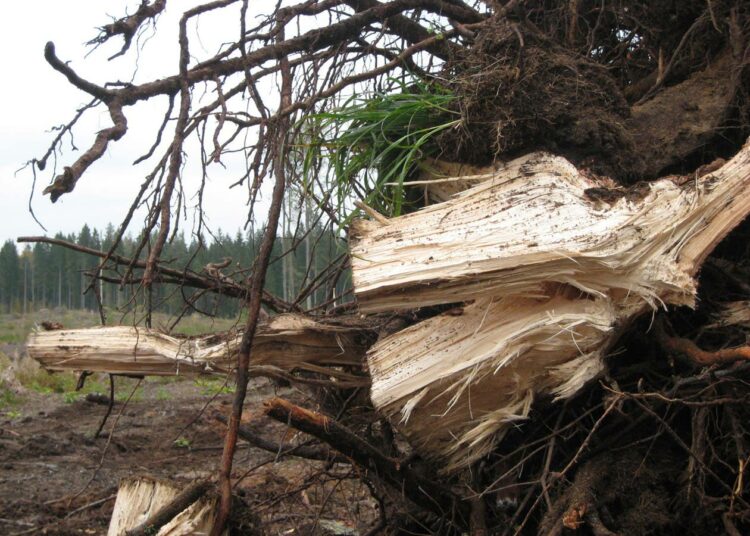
(287, 343)
(163, 506)
(551, 266)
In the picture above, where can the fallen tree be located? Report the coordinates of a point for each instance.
(549, 268)
(555, 266)
(501, 283)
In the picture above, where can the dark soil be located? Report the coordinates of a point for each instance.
(48, 457)
(631, 89)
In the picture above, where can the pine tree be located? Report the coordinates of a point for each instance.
(10, 276)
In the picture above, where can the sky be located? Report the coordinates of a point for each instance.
(34, 98)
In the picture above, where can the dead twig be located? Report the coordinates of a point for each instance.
(283, 449)
(92, 504)
(110, 405)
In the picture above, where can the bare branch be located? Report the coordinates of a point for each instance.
(129, 25)
(256, 289)
(66, 182)
(687, 348)
(103, 94)
(182, 277)
(427, 494)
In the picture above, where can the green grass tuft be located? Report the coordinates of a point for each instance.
(182, 443)
(369, 147)
(162, 394)
(210, 386)
(72, 396)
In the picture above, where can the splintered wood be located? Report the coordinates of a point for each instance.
(550, 265)
(286, 344)
(139, 498)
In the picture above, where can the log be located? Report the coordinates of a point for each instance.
(140, 498)
(543, 222)
(287, 343)
(452, 384)
(551, 265)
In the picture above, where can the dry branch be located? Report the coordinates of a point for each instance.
(164, 274)
(128, 26)
(257, 282)
(426, 493)
(309, 452)
(368, 12)
(552, 266)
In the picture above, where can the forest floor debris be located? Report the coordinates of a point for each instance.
(47, 455)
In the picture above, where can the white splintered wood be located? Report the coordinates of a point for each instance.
(140, 497)
(443, 180)
(551, 271)
(452, 383)
(286, 343)
(533, 224)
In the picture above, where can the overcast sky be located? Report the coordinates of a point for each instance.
(34, 98)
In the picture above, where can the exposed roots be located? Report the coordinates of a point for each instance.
(583, 79)
(519, 89)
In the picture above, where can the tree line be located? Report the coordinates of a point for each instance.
(49, 276)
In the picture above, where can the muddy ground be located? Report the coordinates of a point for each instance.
(53, 479)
